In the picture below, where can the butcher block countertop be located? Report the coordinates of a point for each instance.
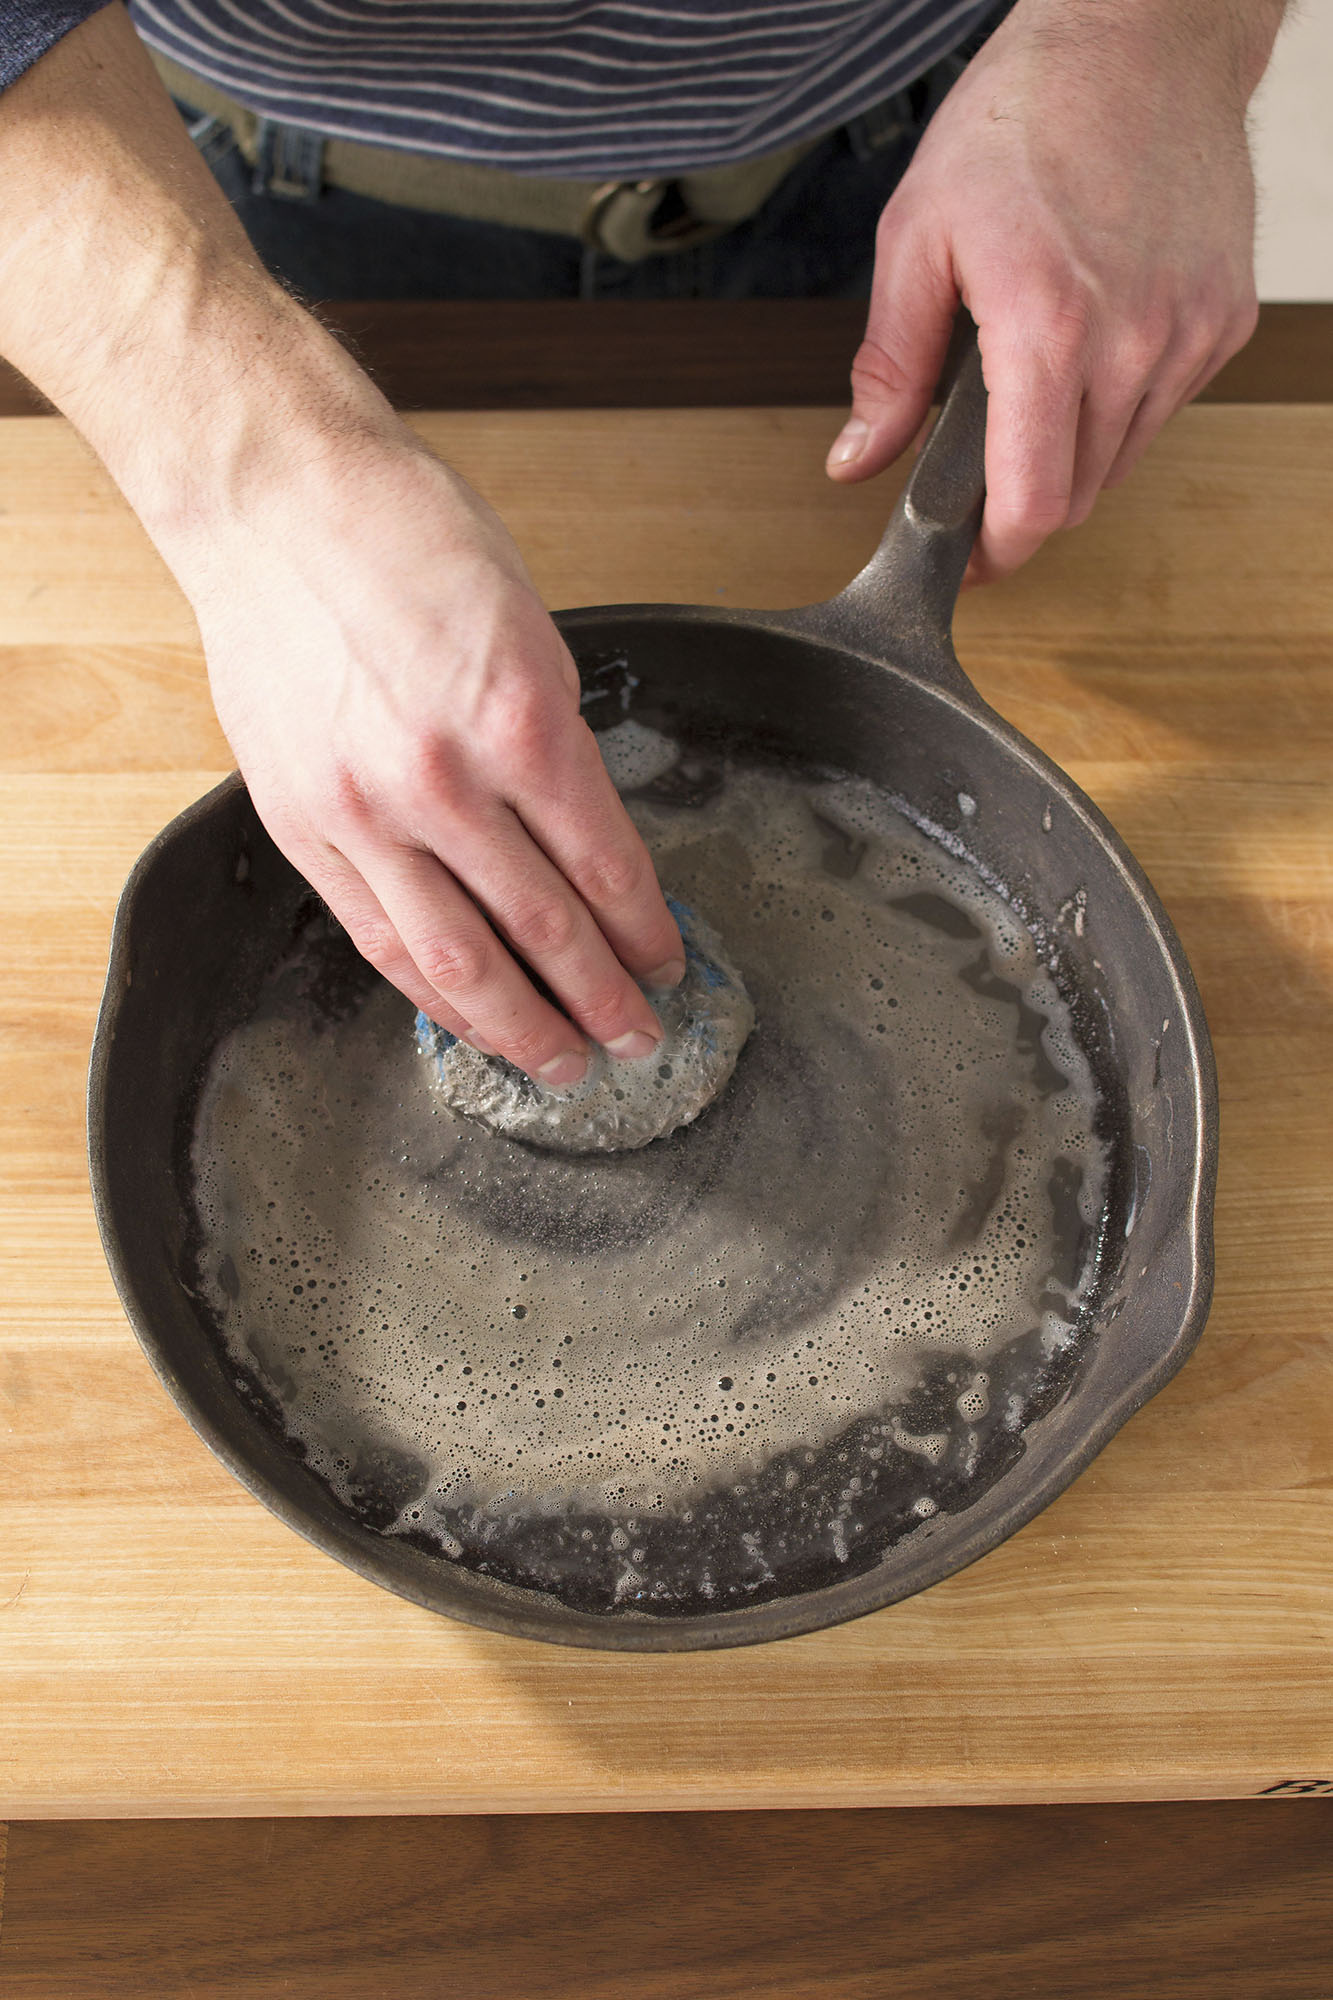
(1163, 1631)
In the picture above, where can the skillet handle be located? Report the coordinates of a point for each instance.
(900, 608)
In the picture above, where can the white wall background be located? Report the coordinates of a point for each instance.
(1292, 132)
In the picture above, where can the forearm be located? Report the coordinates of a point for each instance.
(130, 295)
(1231, 39)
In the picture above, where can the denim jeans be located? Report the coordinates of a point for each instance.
(813, 238)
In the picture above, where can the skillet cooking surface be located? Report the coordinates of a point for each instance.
(744, 1362)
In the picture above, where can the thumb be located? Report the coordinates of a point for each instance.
(913, 300)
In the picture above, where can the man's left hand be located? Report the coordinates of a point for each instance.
(1086, 191)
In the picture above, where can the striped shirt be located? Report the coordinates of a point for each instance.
(578, 88)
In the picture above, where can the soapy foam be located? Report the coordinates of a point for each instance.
(744, 1360)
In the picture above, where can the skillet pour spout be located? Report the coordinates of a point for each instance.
(868, 685)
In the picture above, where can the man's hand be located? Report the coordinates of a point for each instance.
(1085, 190)
(407, 718)
(399, 702)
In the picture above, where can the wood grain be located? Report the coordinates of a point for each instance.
(1224, 1902)
(1162, 1631)
(692, 353)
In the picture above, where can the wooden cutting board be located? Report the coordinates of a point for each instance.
(1165, 1630)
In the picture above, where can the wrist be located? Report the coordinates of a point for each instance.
(289, 468)
(237, 399)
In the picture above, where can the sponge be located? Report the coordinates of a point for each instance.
(619, 1106)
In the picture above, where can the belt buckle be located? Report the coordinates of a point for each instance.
(620, 216)
(602, 198)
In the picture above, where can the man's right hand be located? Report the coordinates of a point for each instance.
(398, 700)
(407, 719)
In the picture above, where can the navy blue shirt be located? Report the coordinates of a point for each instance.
(581, 88)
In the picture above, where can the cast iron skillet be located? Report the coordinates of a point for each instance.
(867, 683)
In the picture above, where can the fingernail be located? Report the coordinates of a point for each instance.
(669, 974)
(475, 1042)
(568, 1068)
(632, 1047)
(850, 441)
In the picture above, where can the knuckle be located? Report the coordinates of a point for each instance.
(1029, 510)
(456, 963)
(543, 929)
(346, 799)
(428, 773)
(615, 875)
(877, 373)
(1197, 349)
(1150, 329)
(1137, 352)
(1060, 329)
(602, 1010)
(1241, 324)
(522, 725)
(1043, 513)
(530, 1047)
(377, 941)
